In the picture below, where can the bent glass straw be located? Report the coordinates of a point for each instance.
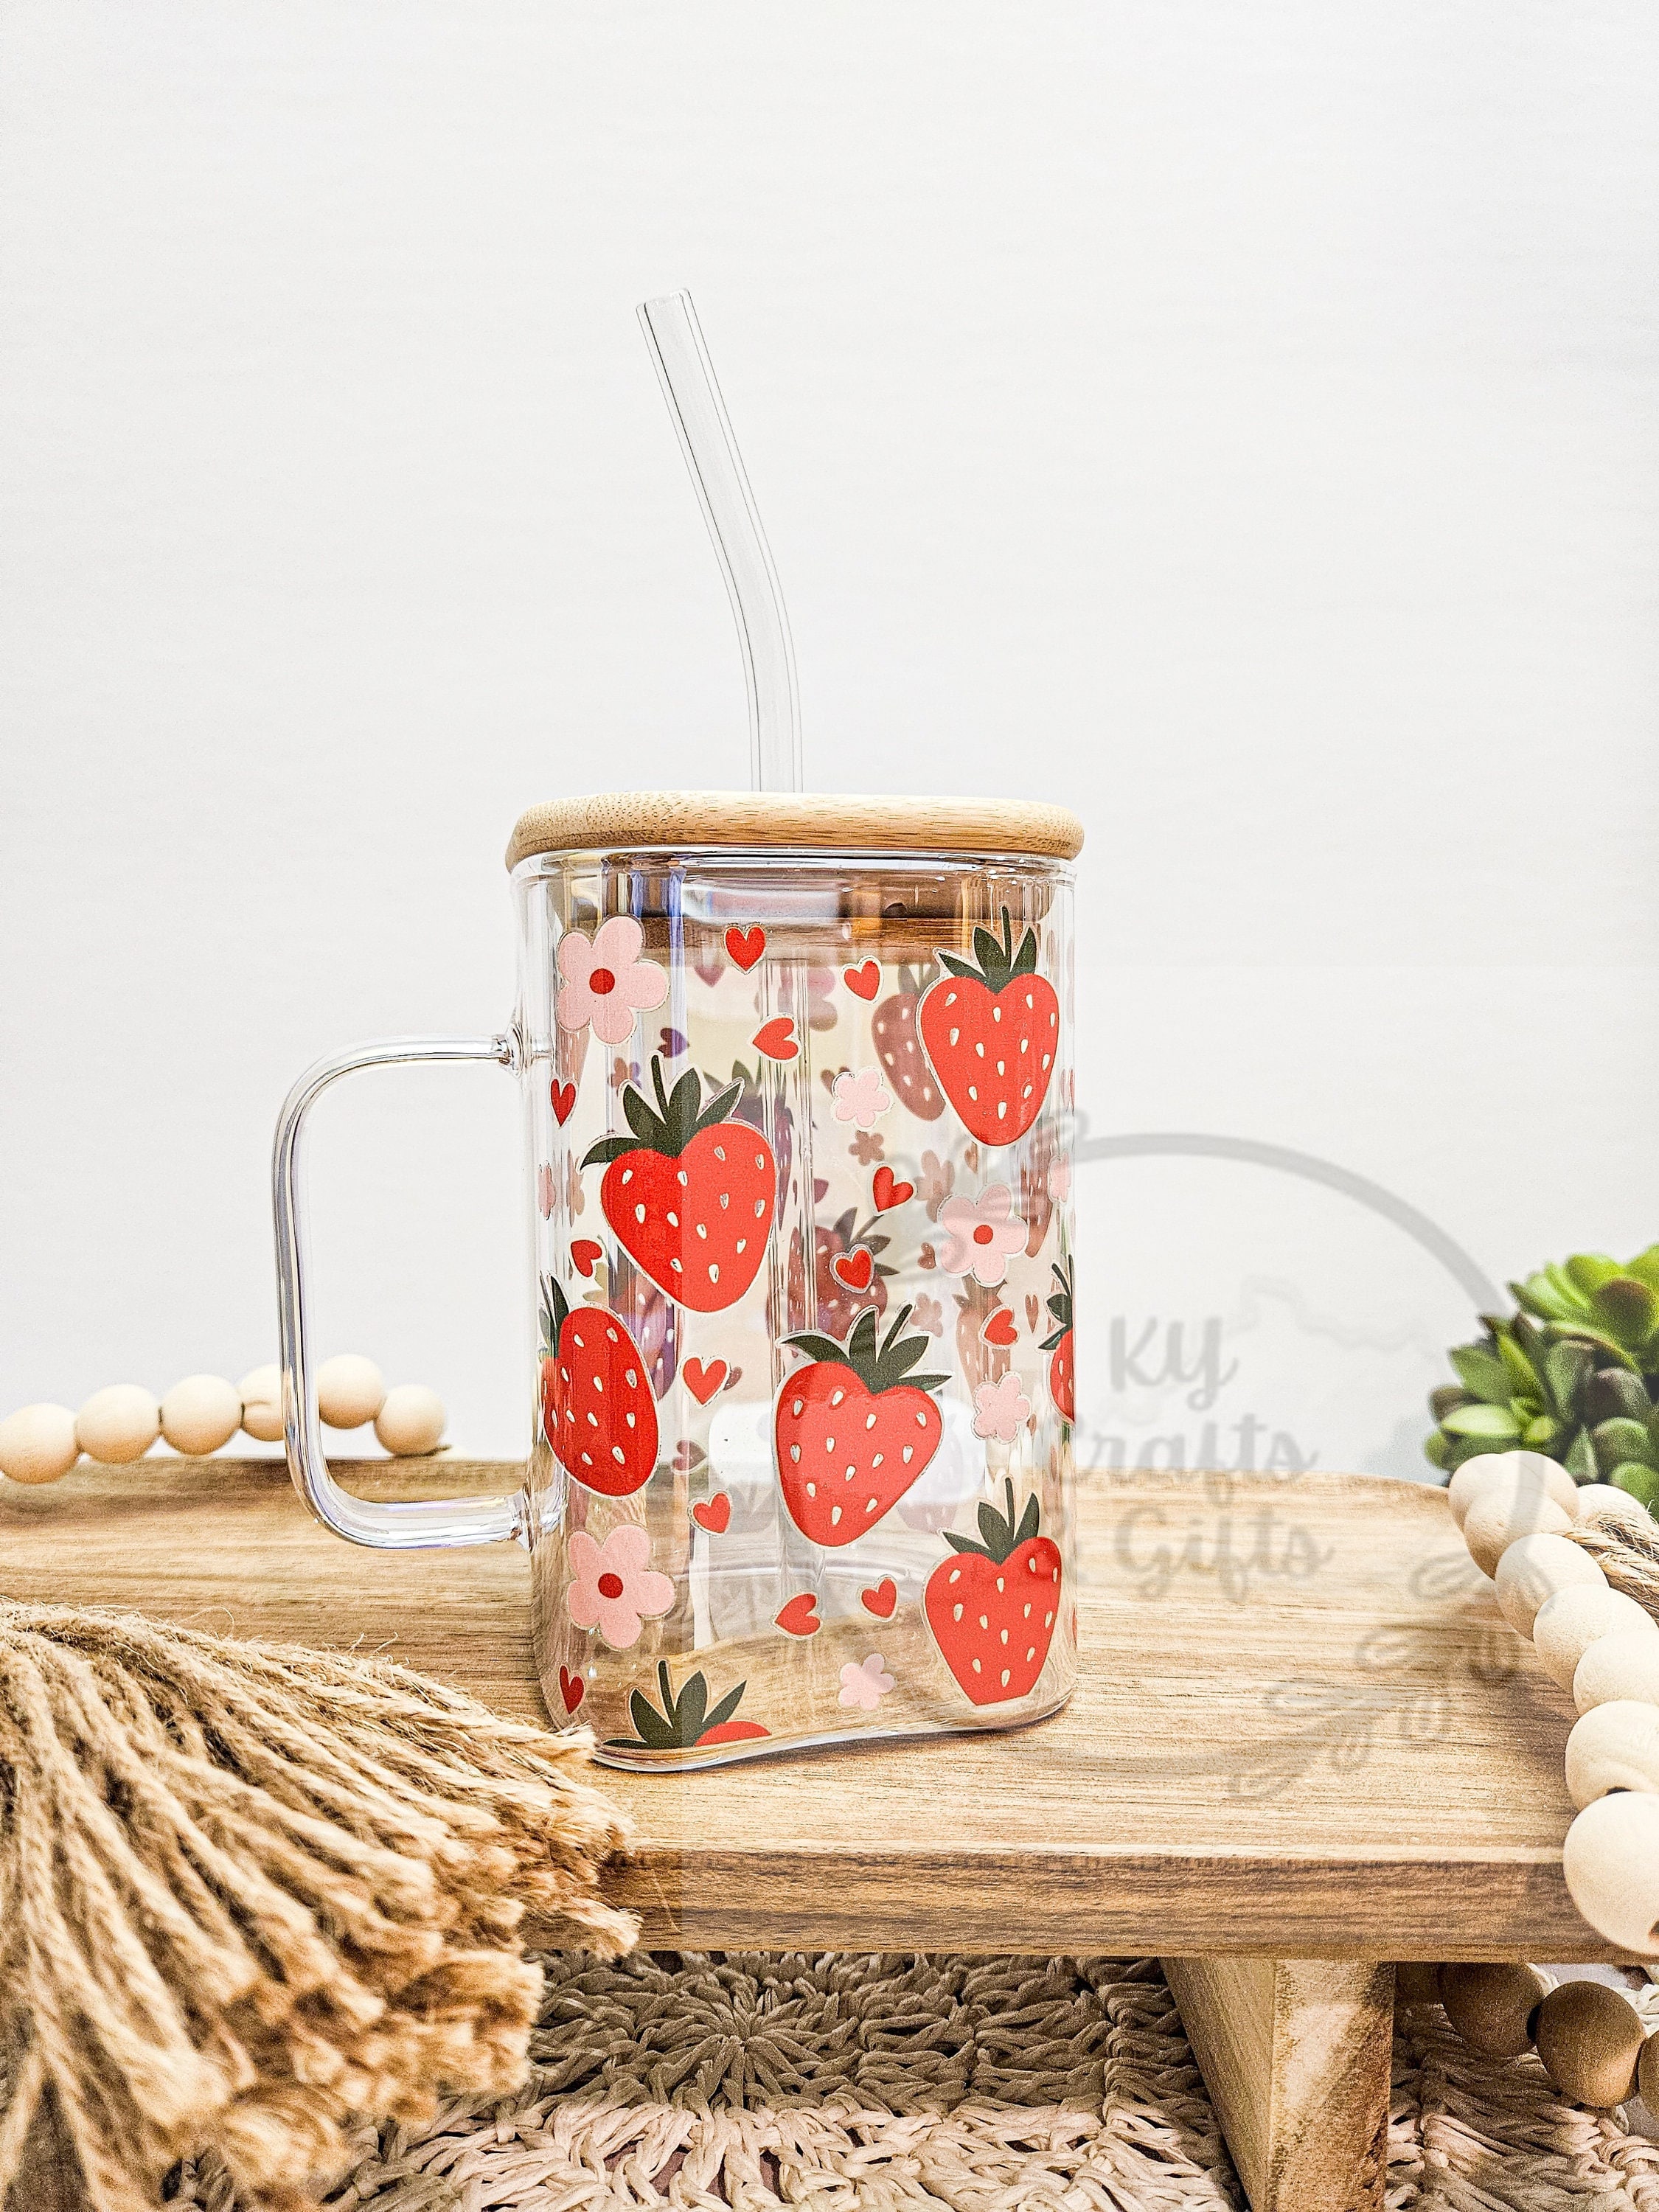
(728, 506)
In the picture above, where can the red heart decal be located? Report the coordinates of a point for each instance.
(888, 1194)
(881, 1600)
(745, 945)
(800, 1616)
(571, 1689)
(1001, 1327)
(583, 1255)
(702, 1381)
(564, 1101)
(864, 981)
(854, 1270)
(777, 1039)
(713, 1513)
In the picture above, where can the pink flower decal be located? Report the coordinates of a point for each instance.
(615, 1583)
(1060, 1181)
(980, 1233)
(605, 981)
(865, 1685)
(545, 1191)
(1000, 1408)
(859, 1098)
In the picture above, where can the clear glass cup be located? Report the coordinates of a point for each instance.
(799, 1134)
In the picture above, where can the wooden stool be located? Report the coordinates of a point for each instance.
(1304, 1744)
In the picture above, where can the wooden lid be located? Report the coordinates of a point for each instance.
(806, 821)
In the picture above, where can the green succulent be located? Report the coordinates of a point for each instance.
(1574, 1374)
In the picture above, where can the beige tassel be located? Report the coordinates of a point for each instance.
(249, 1891)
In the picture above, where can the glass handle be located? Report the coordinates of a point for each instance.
(415, 1526)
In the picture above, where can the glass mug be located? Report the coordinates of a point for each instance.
(799, 1083)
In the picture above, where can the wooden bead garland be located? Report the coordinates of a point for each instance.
(1587, 1633)
(40, 1444)
(1592, 2041)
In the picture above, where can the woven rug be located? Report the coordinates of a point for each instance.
(857, 2084)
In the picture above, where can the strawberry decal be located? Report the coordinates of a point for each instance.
(854, 1428)
(689, 1194)
(990, 1032)
(893, 1031)
(598, 1413)
(684, 1720)
(992, 1607)
(1062, 1386)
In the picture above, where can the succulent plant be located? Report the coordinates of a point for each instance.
(1574, 1374)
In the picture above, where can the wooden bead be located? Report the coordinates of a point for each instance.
(201, 1413)
(350, 1390)
(1604, 1501)
(1416, 1982)
(261, 1393)
(1647, 2074)
(1610, 1861)
(1486, 1467)
(411, 1420)
(1492, 2007)
(37, 1443)
(1503, 1512)
(1614, 1747)
(118, 1423)
(1589, 2038)
(1623, 1664)
(1534, 1568)
(1567, 1624)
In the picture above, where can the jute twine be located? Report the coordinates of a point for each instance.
(1628, 1556)
(868, 2084)
(247, 1892)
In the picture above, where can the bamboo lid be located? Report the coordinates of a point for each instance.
(624, 821)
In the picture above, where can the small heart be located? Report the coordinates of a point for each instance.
(713, 1513)
(777, 1039)
(688, 1457)
(881, 1600)
(571, 1689)
(854, 1270)
(733, 1378)
(800, 1616)
(673, 1043)
(745, 945)
(1001, 1327)
(1032, 1309)
(564, 1101)
(584, 1253)
(702, 1381)
(887, 1192)
(864, 982)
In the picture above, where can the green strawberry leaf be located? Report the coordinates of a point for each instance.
(689, 1721)
(723, 1711)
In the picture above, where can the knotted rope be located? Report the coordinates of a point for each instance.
(248, 1891)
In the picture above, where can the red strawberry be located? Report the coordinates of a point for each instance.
(852, 1433)
(893, 1029)
(684, 1720)
(689, 1193)
(1062, 1384)
(992, 1607)
(991, 1033)
(598, 1413)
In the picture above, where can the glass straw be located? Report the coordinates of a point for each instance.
(728, 506)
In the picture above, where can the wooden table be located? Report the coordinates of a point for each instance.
(1304, 1744)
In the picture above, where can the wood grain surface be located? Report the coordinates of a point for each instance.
(804, 820)
(1296, 2054)
(1302, 1730)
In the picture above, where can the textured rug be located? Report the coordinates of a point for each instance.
(858, 2084)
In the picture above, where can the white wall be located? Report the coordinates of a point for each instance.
(1240, 422)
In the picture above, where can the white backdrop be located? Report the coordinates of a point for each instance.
(1238, 423)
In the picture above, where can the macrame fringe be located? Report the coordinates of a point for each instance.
(249, 1891)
